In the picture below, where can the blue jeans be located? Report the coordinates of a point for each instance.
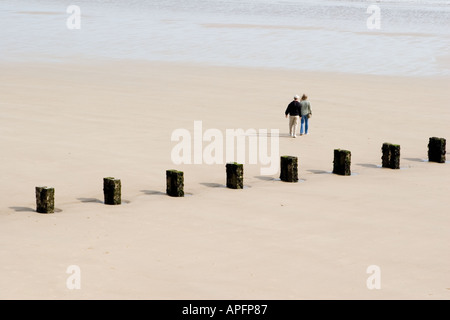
(304, 123)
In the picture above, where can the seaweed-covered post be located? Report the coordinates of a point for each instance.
(289, 169)
(342, 162)
(45, 200)
(391, 155)
(235, 175)
(175, 183)
(112, 191)
(436, 150)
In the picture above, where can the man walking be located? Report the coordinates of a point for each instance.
(293, 111)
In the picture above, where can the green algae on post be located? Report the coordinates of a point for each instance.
(342, 162)
(436, 150)
(175, 183)
(45, 200)
(289, 169)
(112, 191)
(235, 175)
(391, 156)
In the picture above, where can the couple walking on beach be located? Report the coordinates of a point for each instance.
(298, 111)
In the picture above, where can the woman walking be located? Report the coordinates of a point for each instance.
(305, 113)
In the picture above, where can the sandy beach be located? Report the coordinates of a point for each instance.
(69, 125)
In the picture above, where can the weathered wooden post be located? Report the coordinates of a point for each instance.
(45, 200)
(175, 183)
(289, 169)
(112, 191)
(436, 150)
(342, 162)
(235, 175)
(391, 155)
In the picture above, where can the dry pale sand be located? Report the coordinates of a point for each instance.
(69, 125)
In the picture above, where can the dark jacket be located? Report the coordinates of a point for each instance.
(293, 109)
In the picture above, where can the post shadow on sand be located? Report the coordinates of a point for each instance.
(319, 171)
(267, 178)
(329, 172)
(95, 200)
(160, 193)
(89, 200)
(376, 166)
(27, 209)
(152, 192)
(213, 185)
(422, 160)
(368, 165)
(416, 159)
(219, 185)
(23, 209)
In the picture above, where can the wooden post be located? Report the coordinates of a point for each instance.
(235, 175)
(289, 169)
(436, 150)
(391, 155)
(342, 162)
(112, 191)
(45, 200)
(175, 183)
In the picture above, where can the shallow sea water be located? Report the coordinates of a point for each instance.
(413, 38)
